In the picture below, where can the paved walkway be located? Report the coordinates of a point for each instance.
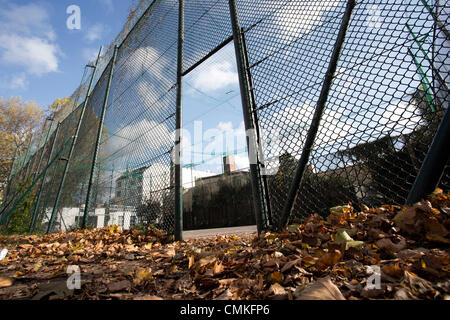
(206, 233)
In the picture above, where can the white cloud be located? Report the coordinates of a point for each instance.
(216, 76)
(14, 82)
(27, 40)
(95, 32)
(19, 81)
(138, 141)
(29, 19)
(37, 55)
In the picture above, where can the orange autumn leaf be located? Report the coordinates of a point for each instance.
(276, 277)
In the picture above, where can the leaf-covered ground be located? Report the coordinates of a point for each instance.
(320, 259)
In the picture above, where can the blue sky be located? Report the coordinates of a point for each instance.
(40, 58)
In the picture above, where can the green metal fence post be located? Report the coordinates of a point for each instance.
(315, 123)
(38, 200)
(179, 125)
(72, 147)
(97, 142)
(434, 164)
(249, 121)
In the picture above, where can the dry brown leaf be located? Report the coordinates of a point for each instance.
(5, 282)
(322, 289)
(218, 268)
(204, 262)
(393, 270)
(403, 294)
(418, 286)
(168, 253)
(277, 289)
(226, 295)
(433, 226)
(290, 264)
(276, 277)
(437, 238)
(388, 246)
(119, 285)
(53, 291)
(142, 276)
(191, 262)
(329, 259)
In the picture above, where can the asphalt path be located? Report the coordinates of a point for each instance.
(207, 233)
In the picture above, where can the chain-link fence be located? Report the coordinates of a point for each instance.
(384, 105)
(343, 101)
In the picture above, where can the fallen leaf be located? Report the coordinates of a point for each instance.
(226, 295)
(388, 246)
(393, 270)
(290, 264)
(403, 294)
(343, 237)
(433, 226)
(437, 238)
(53, 291)
(329, 259)
(418, 286)
(322, 289)
(277, 289)
(218, 268)
(191, 261)
(142, 276)
(5, 282)
(119, 285)
(276, 277)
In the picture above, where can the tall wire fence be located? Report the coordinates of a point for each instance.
(344, 100)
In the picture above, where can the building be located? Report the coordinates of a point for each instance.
(71, 218)
(129, 187)
(211, 184)
(144, 184)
